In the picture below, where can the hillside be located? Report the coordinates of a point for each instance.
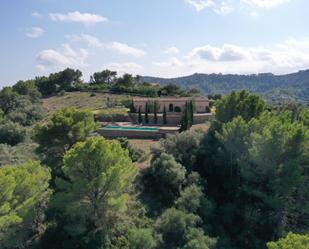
(87, 100)
(279, 88)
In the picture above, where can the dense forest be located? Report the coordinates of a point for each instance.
(243, 184)
(275, 88)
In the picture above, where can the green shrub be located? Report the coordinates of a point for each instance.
(141, 238)
(18, 154)
(164, 179)
(112, 115)
(137, 155)
(11, 133)
(291, 241)
(61, 93)
(27, 115)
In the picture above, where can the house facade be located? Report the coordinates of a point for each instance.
(172, 104)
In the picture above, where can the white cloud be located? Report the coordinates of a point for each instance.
(83, 18)
(227, 53)
(125, 49)
(36, 14)
(115, 46)
(66, 56)
(35, 32)
(285, 57)
(225, 7)
(171, 62)
(90, 40)
(267, 4)
(199, 5)
(172, 50)
(127, 67)
(219, 7)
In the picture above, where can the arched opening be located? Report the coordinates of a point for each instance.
(171, 108)
(177, 109)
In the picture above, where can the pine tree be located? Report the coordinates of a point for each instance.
(23, 200)
(164, 116)
(99, 177)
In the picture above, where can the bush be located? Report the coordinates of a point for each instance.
(112, 115)
(183, 147)
(61, 93)
(18, 154)
(12, 133)
(1, 115)
(291, 241)
(190, 199)
(141, 239)
(27, 115)
(22, 109)
(137, 155)
(173, 225)
(164, 179)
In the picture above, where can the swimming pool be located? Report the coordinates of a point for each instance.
(131, 128)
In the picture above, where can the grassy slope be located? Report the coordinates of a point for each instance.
(81, 100)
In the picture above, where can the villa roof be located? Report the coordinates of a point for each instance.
(172, 98)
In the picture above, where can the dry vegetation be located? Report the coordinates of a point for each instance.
(145, 145)
(92, 101)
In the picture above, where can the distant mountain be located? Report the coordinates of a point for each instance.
(276, 88)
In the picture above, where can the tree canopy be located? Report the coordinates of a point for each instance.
(65, 128)
(23, 199)
(291, 241)
(99, 176)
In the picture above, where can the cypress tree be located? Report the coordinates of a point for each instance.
(187, 117)
(164, 115)
(155, 111)
(191, 113)
(146, 113)
(140, 118)
(132, 107)
(184, 119)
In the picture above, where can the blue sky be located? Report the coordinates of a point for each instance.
(152, 37)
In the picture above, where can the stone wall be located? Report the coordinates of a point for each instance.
(172, 104)
(173, 119)
(133, 134)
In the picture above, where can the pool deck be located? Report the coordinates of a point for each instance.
(114, 130)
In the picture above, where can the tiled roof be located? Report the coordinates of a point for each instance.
(171, 98)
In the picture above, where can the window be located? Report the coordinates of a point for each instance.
(177, 109)
(171, 108)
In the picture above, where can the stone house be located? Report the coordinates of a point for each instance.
(172, 104)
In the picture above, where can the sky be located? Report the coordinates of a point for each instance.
(166, 38)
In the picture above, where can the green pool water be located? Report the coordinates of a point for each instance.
(130, 128)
